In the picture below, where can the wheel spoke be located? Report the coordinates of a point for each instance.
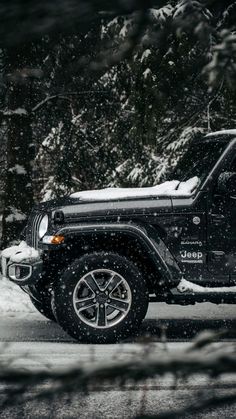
(83, 304)
(90, 281)
(118, 304)
(113, 283)
(101, 315)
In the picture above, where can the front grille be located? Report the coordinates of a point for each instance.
(33, 229)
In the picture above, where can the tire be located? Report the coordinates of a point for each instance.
(44, 307)
(107, 310)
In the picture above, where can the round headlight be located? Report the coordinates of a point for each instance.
(43, 226)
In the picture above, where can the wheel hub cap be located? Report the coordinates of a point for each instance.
(102, 298)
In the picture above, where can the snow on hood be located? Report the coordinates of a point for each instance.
(169, 188)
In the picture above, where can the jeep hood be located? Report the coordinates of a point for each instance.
(111, 202)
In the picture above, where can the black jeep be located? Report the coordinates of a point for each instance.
(93, 262)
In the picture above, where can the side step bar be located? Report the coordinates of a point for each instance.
(189, 293)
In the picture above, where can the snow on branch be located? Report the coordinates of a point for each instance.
(222, 64)
(14, 112)
(107, 59)
(15, 215)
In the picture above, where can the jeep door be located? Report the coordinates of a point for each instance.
(187, 236)
(221, 237)
(191, 243)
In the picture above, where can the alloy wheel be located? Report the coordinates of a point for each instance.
(102, 298)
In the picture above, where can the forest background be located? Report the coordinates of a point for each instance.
(112, 98)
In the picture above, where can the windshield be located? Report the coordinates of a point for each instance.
(198, 160)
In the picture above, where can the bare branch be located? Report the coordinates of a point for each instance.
(65, 96)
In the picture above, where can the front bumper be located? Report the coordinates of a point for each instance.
(24, 273)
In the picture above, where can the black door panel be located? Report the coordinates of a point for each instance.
(222, 235)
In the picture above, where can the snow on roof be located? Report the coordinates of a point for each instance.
(170, 188)
(224, 132)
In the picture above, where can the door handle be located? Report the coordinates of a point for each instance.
(217, 218)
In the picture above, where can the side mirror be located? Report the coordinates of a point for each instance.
(226, 183)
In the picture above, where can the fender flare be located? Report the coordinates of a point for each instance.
(147, 237)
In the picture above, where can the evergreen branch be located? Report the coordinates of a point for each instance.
(193, 119)
(186, 363)
(106, 59)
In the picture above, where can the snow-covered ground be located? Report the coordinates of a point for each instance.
(13, 299)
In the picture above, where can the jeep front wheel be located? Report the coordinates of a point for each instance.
(100, 298)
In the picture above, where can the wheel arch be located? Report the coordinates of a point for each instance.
(140, 244)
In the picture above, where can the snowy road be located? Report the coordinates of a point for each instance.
(32, 333)
(30, 341)
(181, 323)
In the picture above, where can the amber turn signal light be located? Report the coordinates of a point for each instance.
(57, 239)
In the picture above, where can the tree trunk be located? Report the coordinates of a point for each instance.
(18, 199)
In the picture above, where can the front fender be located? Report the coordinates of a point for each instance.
(147, 236)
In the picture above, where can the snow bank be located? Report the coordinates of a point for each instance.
(13, 299)
(20, 253)
(170, 188)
